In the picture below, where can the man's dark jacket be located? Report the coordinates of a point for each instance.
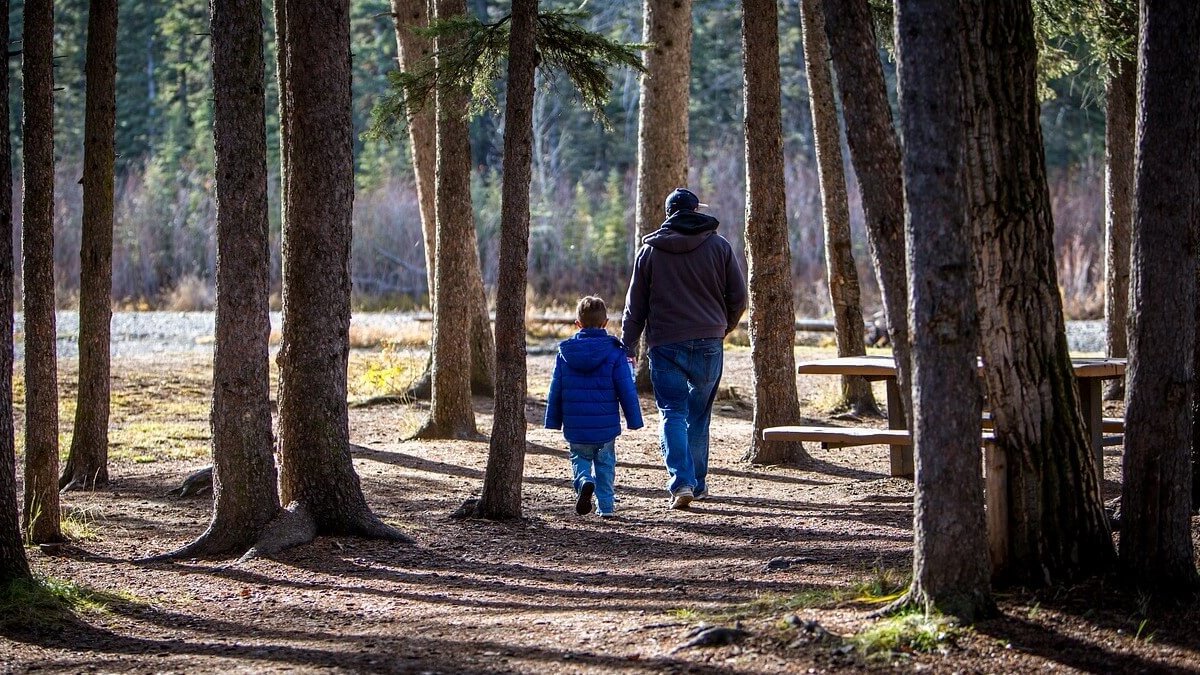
(686, 284)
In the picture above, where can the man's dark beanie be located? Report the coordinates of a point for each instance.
(682, 199)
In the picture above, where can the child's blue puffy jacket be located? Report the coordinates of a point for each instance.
(591, 382)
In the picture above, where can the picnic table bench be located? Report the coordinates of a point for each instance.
(1089, 373)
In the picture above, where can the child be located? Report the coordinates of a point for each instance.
(591, 384)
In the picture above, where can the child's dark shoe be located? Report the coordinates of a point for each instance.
(583, 501)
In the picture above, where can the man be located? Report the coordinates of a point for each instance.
(687, 293)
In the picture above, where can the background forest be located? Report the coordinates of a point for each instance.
(583, 177)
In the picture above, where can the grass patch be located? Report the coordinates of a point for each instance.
(143, 441)
(883, 585)
(765, 606)
(388, 373)
(80, 525)
(47, 601)
(905, 634)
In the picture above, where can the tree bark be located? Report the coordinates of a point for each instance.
(772, 314)
(281, 80)
(1056, 523)
(1156, 541)
(450, 412)
(13, 563)
(245, 488)
(87, 463)
(950, 560)
(844, 293)
(41, 514)
(413, 49)
(875, 153)
(662, 120)
(317, 479)
(1120, 118)
(501, 497)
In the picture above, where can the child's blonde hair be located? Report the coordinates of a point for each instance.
(591, 312)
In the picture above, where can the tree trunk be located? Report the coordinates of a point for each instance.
(844, 291)
(450, 412)
(281, 79)
(413, 49)
(501, 498)
(662, 120)
(13, 563)
(1120, 117)
(1156, 541)
(950, 559)
(1056, 524)
(245, 489)
(87, 463)
(875, 153)
(41, 515)
(317, 478)
(772, 316)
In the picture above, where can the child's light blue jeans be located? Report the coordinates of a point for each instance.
(595, 463)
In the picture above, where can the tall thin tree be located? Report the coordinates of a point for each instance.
(1120, 121)
(1156, 532)
(501, 497)
(245, 487)
(875, 153)
(662, 157)
(13, 562)
(772, 316)
(87, 463)
(1056, 523)
(416, 53)
(317, 478)
(41, 514)
(450, 412)
(840, 270)
(950, 559)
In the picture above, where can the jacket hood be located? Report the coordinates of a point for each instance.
(682, 232)
(588, 349)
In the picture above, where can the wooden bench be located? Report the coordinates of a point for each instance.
(839, 437)
(1113, 428)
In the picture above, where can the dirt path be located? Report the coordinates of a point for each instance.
(555, 592)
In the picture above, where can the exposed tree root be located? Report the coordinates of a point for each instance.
(211, 544)
(431, 432)
(466, 509)
(293, 526)
(73, 479)
(198, 482)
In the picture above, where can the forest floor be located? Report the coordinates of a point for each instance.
(798, 558)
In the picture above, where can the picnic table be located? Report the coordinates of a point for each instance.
(1089, 374)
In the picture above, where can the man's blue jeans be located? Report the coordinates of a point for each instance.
(595, 463)
(685, 377)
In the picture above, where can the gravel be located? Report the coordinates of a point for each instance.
(141, 334)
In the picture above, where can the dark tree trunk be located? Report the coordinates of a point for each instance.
(1056, 523)
(772, 316)
(501, 498)
(450, 412)
(841, 273)
(41, 515)
(950, 559)
(87, 463)
(317, 478)
(13, 563)
(245, 488)
(875, 153)
(1156, 533)
(662, 120)
(1120, 117)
